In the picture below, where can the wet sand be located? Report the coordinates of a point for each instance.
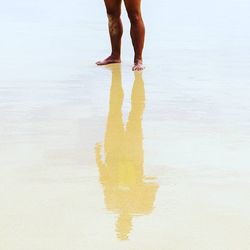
(102, 158)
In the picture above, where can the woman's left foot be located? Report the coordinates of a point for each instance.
(138, 66)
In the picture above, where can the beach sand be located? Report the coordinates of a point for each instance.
(102, 158)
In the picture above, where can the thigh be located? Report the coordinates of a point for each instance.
(113, 7)
(133, 5)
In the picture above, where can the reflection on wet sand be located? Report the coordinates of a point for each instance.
(127, 191)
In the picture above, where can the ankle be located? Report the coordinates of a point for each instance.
(138, 60)
(115, 56)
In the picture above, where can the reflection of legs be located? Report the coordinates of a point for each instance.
(114, 131)
(134, 136)
(137, 30)
(113, 8)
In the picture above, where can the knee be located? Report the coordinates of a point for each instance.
(134, 17)
(113, 14)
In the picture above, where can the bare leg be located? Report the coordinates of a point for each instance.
(137, 30)
(113, 8)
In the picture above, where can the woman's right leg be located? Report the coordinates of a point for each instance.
(113, 8)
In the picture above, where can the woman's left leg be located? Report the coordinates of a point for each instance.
(137, 30)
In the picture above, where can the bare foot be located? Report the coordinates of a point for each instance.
(138, 66)
(108, 60)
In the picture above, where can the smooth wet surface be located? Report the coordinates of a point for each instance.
(105, 158)
(128, 192)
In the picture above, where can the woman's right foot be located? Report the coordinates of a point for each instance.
(109, 60)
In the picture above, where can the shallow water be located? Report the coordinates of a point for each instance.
(102, 158)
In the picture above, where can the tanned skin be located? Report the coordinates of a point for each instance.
(137, 31)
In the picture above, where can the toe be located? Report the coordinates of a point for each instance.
(100, 63)
(138, 68)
